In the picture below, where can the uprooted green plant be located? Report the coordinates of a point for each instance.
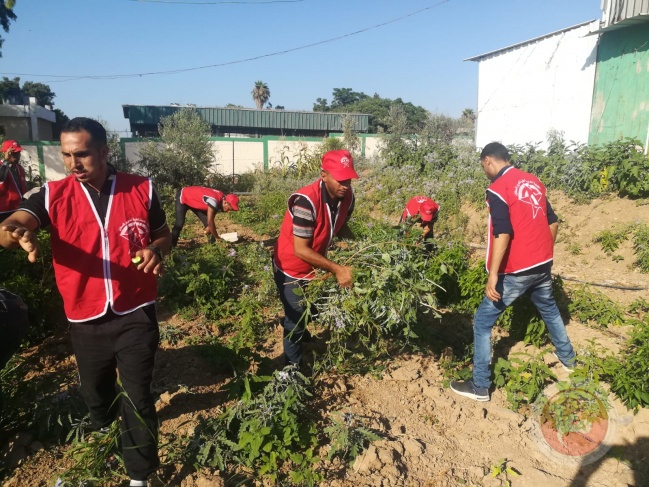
(378, 312)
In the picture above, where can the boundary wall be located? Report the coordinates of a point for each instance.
(233, 155)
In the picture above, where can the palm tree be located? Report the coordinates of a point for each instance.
(469, 115)
(260, 93)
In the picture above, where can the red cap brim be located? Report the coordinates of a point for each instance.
(343, 174)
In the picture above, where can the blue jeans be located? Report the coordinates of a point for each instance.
(294, 315)
(510, 287)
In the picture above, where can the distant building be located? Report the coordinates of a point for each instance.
(22, 119)
(589, 81)
(230, 122)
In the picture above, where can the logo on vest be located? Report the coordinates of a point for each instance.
(530, 193)
(345, 161)
(136, 231)
(420, 199)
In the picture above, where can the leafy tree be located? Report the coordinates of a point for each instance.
(346, 96)
(115, 155)
(321, 105)
(7, 16)
(183, 155)
(8, 85)
(42, 92)
(468, 115)
(260, 94)
(346, 100)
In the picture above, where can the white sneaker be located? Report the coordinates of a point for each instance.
(568, 369)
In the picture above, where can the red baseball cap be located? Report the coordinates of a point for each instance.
(428, 210)
(340, 164)
(11, 144)
(233, 200)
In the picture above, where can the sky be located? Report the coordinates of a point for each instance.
(419, 58)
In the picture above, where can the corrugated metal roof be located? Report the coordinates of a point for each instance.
(530, 41)
(250, 118)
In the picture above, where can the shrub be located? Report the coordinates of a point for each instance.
(587, 305)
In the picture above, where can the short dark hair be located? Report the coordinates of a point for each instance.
(93, 127)
(495, 150)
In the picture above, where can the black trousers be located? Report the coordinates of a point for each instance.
(180, 214)
(128, 343)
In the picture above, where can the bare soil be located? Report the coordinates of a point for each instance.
(431, 437)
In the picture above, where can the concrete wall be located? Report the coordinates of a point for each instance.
(530, 89)
(15, 128)
(621, 96)
(249, 153)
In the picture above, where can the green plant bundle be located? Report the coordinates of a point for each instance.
(268, 431)
(587, 305)
(629, 378)
(348, 435)
(378, 312)
(523, 380)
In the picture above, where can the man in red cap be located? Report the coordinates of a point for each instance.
(424, 210)
(205, 203)
(12, 179)
(315, 214)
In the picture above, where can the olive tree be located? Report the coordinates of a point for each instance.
(183, 155)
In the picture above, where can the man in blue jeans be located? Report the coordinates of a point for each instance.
(522, 231)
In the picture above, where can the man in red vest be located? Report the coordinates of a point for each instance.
(12, 179)
(522, 231)
(424, 210)
(108, 236)
(315, 214)
(205, 203)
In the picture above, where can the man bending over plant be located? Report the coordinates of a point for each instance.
(422, 210)
(315, 214)
(205, 203)
(522, 231)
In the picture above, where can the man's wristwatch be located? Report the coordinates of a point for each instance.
(156, 250)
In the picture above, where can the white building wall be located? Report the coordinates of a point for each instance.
(528, 90)
(247, 156)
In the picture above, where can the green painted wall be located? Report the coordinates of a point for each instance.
(621, 94)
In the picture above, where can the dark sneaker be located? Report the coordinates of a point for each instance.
(467, 389)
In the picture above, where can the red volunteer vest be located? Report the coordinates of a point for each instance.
(323, 233)
(531, 244)
(414, 205)
(92, 263)
(12, 191)
(192, 196)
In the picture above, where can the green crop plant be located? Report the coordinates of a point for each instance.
(593, 306)
(199, 281)
(523, 380)
(610, 240)
(638, 307)
(629, 378)
(641, 247)
(170, 334)
(502, 471)
(95, 456)
(348, 435)
(268, 432)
